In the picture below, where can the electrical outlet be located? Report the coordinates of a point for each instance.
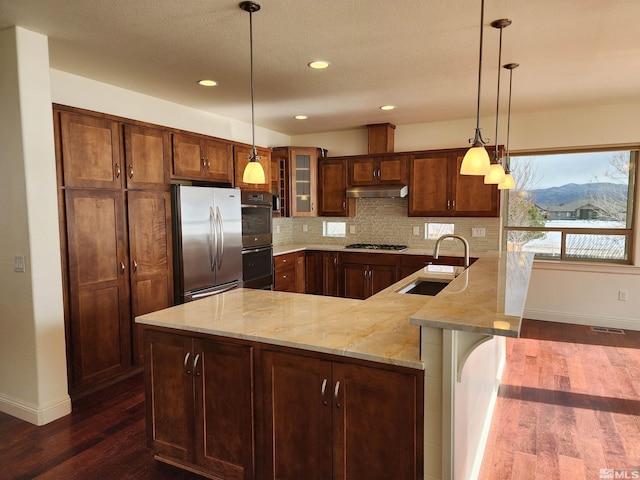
(416, 230)
(623, 295)
(352, 229)
(478, 232)
(277, 228)
(305, 228)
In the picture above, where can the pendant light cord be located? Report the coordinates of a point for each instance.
(496, 155)
(480, 68)
(254, 152)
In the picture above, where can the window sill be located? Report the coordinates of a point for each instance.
(568, 266)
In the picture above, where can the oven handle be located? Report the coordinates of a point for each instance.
(254, 250)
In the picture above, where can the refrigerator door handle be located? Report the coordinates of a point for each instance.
(220, 250)
(213, 240)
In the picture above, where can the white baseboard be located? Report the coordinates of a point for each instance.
(37, 415)
(562, 317)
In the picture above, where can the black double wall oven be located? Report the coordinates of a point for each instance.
(257, 240)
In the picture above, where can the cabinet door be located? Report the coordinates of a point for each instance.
(150, 262)
(471, 196)
(362, 171)
(313, 273)
(188, 157)
(169, 401)
(224, 409)
(354, 278)
(218, 158)
(297, 409)
(381, 277)
(147, 154)
(332, 185)
(392, 170)
(410, 264)
(330, 274)
(429, 185)
(377, 424)
(300, 272)
(91, 154)
(100, 322)
(304, 181)
(241, 155)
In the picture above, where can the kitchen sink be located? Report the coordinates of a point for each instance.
(425, 287)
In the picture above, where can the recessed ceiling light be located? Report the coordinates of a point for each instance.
(387, 107)
(207, 83)
(300, 117)
(318, 64)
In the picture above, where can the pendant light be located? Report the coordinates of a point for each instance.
(253, 172)
(496, 174)
(476, 160)
(508, 182)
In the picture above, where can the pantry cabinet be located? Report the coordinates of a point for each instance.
(436, 187)
(328, 419)
(202, 158)
(199, 408)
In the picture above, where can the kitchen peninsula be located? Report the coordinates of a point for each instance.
(283, 385)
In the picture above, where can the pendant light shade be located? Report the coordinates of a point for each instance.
(496, 174)
(476, 160)
(253, 172)
(508, 182)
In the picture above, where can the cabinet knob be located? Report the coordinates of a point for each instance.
(131, 170)
(122, 267)
(135, 266)
(117, 170)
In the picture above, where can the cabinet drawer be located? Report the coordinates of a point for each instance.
(284, 278)
(280, 261)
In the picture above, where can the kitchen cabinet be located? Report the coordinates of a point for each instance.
(116, 240)
(241, 159)
(321, 269)
(279, 184)
(301, 172)
(436, 187)
(377, 170)
(199, 404)
(289, 272)
(327, 419)
(147, 157)
(332, 189)
(364, 274)
(202, 158)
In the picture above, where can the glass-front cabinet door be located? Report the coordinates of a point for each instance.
(304, 172)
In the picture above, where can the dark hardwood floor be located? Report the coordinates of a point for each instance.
(569, 405)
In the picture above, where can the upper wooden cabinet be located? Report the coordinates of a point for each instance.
(299, 166)
(332, 189)
(202, 158)
(378, 170)
(91, 151)
(436, 188)
(148, 155)
(241, 156)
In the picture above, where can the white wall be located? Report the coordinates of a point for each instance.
(33, 381)
(556, 293)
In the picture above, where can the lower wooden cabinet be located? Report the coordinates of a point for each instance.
(328, 419)
(289, 272)
(364, 274)
(199, 404)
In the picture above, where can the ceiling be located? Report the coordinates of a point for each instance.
(420, 55)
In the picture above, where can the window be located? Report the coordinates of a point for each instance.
(573, 206)
(334, 229)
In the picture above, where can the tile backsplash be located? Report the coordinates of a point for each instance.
(385, 220)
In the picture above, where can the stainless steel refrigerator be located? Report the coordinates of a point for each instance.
(207, 229)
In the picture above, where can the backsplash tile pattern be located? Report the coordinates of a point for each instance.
(384, 220)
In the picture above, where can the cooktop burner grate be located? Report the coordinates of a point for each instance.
(376, 246)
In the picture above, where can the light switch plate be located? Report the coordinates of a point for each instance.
(305, 228)
(18, 263)
(478, 232)
(416, 230)
(352, 229)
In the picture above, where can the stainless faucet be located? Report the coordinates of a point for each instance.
(459, 237)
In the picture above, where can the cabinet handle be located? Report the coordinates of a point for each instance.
(284, 260)
(196, 365)
(448, 204)
(344, 205)
(208, 164)
(335, 261)
(131, 170)
(135, 266)
(378, 174)
(336, 392)
(117, 170)
(204, 163)
(453, 203)
(187, 370)
(284, 276)
(121, 268)
(323, 391)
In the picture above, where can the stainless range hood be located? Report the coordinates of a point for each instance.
(378, 191)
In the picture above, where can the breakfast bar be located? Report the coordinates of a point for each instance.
(277, 382)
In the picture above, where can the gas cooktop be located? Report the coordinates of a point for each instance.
(376, 246)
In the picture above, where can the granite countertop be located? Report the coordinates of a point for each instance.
(486, 298)
(290, 248)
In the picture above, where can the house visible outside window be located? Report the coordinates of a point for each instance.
(575, 206)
